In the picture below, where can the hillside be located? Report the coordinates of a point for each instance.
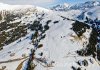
(34, 38)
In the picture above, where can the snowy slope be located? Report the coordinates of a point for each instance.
(93, 13)
(59, 48)
(59, 45)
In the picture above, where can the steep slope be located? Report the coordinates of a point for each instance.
(47, 40)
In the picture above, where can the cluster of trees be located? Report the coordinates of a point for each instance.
(37, 26)
(15, 34)
(1, 16)
(30, 64)
(10, 32)
(95, 24)
(39, 30)
(81, 63)
(39, 34)
(12, 35)
(9, 15)
(48, 22)
(56, 22)
(79, 28)
(5, 26)
(2, 39)
(93, 48)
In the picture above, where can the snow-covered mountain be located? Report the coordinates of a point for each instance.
(61, 7)
(92, 13)
(86, 5)
(34, 38)
(79, 6)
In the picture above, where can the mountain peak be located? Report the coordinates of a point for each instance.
(60, 7)
(66, 4)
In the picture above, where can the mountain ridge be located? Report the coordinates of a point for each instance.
(53, 40)
(79, 6)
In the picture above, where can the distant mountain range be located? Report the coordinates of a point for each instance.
(80, 6)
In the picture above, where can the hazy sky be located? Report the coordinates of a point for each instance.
(43, 3)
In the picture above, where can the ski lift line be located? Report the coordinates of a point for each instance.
(67, 18)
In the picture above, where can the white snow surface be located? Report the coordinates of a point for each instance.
(57, 45)
(93, 13)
